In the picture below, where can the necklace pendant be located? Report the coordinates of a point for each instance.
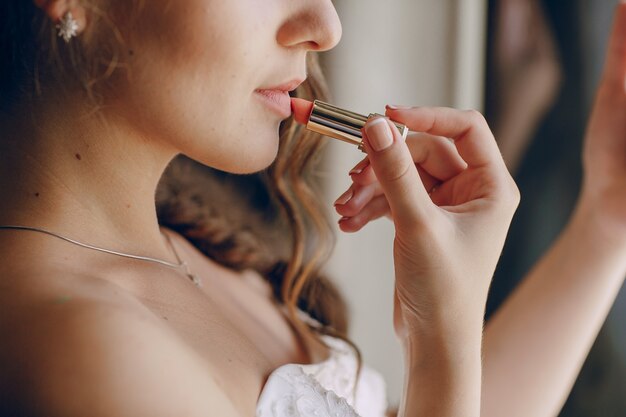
(195, 280)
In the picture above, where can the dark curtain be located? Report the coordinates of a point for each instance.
(549, 179)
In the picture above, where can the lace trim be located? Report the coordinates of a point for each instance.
(338, 371)
(291, 392)
(328, 388)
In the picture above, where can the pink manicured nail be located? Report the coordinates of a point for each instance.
(360, 167)
(379, 134)
(398, 107)
(345, 197)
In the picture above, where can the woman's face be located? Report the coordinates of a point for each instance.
(197, 67)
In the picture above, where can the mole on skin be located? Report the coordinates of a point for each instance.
(78, 156)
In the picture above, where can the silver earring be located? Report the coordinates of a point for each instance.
(68, 27)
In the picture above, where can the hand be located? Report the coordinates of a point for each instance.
(447, 243)
(603, 198)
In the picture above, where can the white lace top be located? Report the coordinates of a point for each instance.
(325, 389)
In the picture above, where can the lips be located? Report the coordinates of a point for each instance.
(277, 97)
(278, 101)
(287, 86)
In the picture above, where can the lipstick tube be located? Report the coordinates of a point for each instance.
(342, 124)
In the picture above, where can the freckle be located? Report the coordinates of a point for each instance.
(131, 52)
(230, 360)
(36, 194)
(165, 317)
(127, 205)
(78, 156)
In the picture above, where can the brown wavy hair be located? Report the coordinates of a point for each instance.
(271, 222)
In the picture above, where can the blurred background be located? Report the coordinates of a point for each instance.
(531, 66)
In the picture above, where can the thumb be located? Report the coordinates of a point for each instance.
(395, 169)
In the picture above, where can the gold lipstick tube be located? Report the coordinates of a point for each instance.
(341, 124)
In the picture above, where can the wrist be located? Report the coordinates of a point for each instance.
(596, 228)
(598, 241)
(443, 375)
(439, 342)
(456, 320)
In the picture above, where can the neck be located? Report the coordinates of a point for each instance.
(91, 178)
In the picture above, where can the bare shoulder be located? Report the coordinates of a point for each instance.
(97, 355)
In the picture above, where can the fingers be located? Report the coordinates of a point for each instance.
(615, 66)
(436, 155)
(355, 198)
(363, 174)
(360, 167)
(395, 170)
(430, 182)
(427, 171)
(436, 158)
(472, 136)
(375, 209)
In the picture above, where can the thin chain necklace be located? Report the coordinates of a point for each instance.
(179, 265)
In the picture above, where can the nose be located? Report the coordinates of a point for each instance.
(313, 24)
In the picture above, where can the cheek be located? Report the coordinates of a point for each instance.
(239, 140)
(193, 88)
(220, 126)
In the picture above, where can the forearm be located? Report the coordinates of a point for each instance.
(514, 128)
(443, 375)
(536, 343)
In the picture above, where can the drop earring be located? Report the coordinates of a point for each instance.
(68, 27)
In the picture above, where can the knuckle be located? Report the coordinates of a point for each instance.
(515, 197)
(364, 180)
(511, 194)
(394, 170)
(358, 222)
(517, 194)
(350, 209)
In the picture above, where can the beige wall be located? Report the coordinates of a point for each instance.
(426, 52)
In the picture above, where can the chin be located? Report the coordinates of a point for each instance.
(257, 163)
(243, 152)
(259, 155)
(255, 159)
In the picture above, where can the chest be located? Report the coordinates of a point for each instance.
(244, 303)
(233, 324)
(242, 345)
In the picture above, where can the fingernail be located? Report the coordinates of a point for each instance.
(345, 197)
(358, 168)
(379, 134)
(398, 107)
